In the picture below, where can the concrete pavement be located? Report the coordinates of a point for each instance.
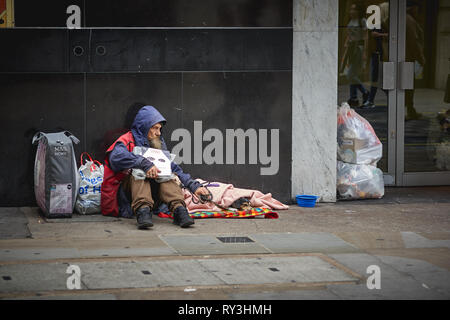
(308, 253)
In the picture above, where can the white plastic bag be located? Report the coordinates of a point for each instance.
(357, 141)
(89, 192)
(356, 181)
(162, 159)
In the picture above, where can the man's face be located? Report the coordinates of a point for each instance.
(154, 132)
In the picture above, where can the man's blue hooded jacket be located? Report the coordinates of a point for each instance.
(121, 159)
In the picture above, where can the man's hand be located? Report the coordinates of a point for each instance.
(152, 173)
(200, 191)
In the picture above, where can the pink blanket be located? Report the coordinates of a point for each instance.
(226, 194)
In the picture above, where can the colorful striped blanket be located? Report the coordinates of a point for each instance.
(255, 212)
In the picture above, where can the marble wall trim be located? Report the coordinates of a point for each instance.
(314, 98)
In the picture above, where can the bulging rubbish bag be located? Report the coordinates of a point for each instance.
(359, 181)
(89, 192)
(357, 141)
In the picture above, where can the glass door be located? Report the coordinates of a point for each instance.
(367, 55)
(397, 76)
(423, 97)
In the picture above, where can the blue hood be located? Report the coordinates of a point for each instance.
(146, 118)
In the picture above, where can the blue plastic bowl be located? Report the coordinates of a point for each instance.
(306, 200)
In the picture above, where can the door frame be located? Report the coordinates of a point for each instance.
(390, 177)
(396, 174)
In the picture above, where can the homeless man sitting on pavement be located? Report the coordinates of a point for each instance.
(119, 186)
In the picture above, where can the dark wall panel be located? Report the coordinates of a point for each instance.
(78, 50)
(191, 50)
(91, 81)
(157, 13)
(33, 50)
(192, 13)
(257, 100)
(113, 100)
(32, 103)
(45, 50)
(44, 13)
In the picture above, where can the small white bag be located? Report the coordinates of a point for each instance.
(89, 192)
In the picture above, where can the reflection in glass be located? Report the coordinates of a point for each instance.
(352, 62)
(427, 137)
(361, 50)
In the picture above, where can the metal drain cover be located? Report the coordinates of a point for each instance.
(212, 244)
(235, 239)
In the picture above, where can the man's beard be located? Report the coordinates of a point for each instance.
(155, 143)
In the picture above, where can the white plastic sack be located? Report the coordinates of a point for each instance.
(162, 159)
(89, 192)
(357, 141)
(356, 181)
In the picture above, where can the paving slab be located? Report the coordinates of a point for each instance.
(400, 290)
(13, 224)
(305, 269)
(18, 254)
(34, 277)
(439, 257)
(81, 296)
(373, 240)
(208, 244)
(33, 254)
(127, 252)
(83, 218)
(303, 242)
(414, 240)
(331, 218)
(394, 283)
(158, 273)
(435, 235)
(145, 274)
(430, 276)
(320, 294)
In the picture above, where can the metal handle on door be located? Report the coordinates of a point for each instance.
(387, 75)
(389, 80)
(406, 75)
